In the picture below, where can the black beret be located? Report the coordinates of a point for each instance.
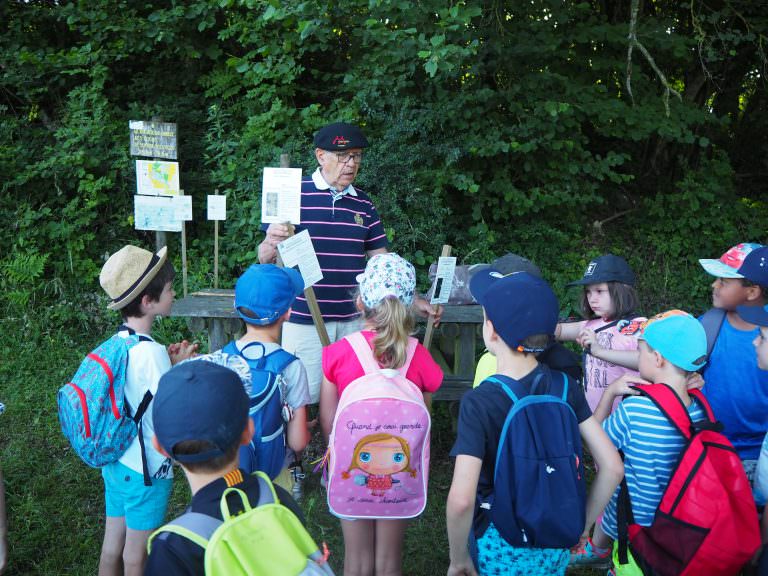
(340, 136)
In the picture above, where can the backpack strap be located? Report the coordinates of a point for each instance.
(712, 321)
(278, 360)
(670, 404)
(142, 408)
(363, 351)
(193, 526)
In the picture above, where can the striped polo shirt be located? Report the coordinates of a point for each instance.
(652, 448)
(342, 232)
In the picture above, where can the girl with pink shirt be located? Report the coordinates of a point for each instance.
(609, 333)
(385, 296)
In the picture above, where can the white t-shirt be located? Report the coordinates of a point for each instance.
(147, 362)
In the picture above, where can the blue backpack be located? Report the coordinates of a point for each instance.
(266, 452)
(539, 490)
(93, 413)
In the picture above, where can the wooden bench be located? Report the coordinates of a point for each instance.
(454, 344)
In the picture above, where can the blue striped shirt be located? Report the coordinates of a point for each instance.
(652, 448)
(342, 231)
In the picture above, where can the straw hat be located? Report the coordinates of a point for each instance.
(127, 273)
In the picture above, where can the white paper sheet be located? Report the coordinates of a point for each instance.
(446, 268)
(156, 213)
(298, 252)
(281, 195)
(217, 207)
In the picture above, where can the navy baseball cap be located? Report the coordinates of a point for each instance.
(267, 291)
(606, 268)
(519, 304)
(757, 315)
(755, 266)
(340, 136)
(199, 400)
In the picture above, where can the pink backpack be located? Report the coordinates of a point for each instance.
(379, 444)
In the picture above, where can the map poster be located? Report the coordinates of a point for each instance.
(157, 213)
(157, 178)
(153, 139)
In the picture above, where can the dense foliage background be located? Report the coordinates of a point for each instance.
(558, 129)
(497, 125)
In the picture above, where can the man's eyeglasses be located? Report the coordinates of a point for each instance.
(344, 157)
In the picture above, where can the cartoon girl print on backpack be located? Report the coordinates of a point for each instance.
(380, 457)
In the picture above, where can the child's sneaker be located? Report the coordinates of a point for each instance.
(588, 556)
(297, 478)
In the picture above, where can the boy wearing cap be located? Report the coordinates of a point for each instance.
(556, 356)
(520, 314)
(264, 295)
(201, 416)
(733, 383)
(140, 285)
(672, 345)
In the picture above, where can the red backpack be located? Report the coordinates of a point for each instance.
(706, 523)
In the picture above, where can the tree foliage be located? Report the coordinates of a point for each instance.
(497, 125)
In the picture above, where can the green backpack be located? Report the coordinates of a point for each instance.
(267, 539)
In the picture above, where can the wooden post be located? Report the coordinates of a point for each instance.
(216, 250)
(183, 252)
(309, 293)
(160, 236)
(431, 320)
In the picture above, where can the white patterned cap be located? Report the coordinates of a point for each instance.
(387, 275)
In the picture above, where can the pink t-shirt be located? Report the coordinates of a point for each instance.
(341, 366)
(600, 373)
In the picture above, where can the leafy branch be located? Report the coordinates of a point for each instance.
(635, 43)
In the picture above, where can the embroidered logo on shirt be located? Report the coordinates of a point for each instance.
(358, 219)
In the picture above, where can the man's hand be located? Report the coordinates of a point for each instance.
(183, 350)
(425, 309)
(276, 233)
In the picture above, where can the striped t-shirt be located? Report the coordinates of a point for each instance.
(652, 448)
(342, 232)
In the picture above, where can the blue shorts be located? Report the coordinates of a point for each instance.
(125, 494)
(496, 557)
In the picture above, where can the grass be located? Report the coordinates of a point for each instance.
(55, 502)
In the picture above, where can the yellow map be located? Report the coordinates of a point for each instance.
(156, 178)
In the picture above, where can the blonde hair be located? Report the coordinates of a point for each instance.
(380, 437)
(393, 323)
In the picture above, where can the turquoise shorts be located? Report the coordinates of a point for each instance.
(125, 495)
(495, 556)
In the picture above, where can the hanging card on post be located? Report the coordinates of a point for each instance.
(281, 196)
(217, 207)
(298, 252)
(446, 268)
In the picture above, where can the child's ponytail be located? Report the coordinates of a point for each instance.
(393, 323)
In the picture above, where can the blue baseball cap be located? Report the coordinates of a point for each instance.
(755, 266)
(199, 400)
(757, 315)
(679, 338)
(340, 136)
(267, 291)
(519, 304)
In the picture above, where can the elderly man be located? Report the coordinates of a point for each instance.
(346, 230)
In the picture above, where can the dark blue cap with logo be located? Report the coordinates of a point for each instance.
(203, 401)
(265, 292)
(519, 305)
(340, 136)
(755, 266)
(606, 268)
(757, 315)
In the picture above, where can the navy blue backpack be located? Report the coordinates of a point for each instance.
(539, 497)
(266, 452)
